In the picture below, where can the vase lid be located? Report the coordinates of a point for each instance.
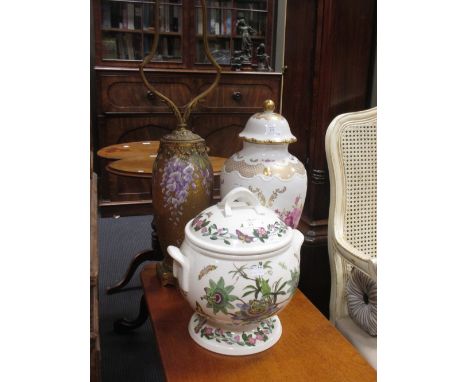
(238, 225)
(267, 127)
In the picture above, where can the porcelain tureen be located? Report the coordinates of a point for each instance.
(238, 266)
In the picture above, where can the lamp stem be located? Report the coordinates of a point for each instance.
(181, 119)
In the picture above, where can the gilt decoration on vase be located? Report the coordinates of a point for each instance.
(266, 168)
(182, 179)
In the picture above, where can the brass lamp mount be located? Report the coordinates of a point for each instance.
(182, 117)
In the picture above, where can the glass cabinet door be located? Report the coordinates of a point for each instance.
(235, 27)
(238, 30)
(127, 30)
(249, 29)
(219, 31)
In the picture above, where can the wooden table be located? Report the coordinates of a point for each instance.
(310, 348)
(135, 159)
(128, 149)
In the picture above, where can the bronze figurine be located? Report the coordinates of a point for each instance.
(263, 59)
(236, 60)
(245, 31)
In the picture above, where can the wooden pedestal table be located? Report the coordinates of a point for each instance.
(129, 150)
(135, 159)
(310, 348)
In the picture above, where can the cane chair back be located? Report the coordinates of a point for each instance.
(351, 148)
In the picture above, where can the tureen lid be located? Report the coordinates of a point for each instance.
(267, 127)
(238, 225)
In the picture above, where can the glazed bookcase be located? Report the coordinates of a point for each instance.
(124, 31)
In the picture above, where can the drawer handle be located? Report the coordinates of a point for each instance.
(237, 96)
(150, 95)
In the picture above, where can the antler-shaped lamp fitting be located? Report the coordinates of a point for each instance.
(182, 118)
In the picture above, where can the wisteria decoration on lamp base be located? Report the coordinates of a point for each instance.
(182, 173)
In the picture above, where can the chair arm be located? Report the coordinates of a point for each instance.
(358, 258)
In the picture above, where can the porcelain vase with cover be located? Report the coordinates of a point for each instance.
(238, 267)
(266, 168)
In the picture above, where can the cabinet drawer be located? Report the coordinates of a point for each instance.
(239, 97)
(128, 93)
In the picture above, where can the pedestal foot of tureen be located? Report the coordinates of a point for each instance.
(259, 337)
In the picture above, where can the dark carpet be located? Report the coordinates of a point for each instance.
(128, 357)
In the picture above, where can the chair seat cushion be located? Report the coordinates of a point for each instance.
(362, 301)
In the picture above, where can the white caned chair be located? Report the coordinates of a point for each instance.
(351, 148)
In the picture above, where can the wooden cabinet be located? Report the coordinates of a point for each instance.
(126, 111)
(329, 72)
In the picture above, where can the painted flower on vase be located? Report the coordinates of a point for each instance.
(249, 339)
(264, 295)
(217, 296)
(206, 180)
(177, 179)
(200, 221)
(277, 228)
(207, 331)
(291, 217)
(215, 233)
(202, 224)
(261, 233)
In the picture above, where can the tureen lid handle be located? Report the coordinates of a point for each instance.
(241, 194)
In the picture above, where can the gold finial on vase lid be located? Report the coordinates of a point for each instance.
(268, 105)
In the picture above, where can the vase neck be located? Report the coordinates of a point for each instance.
(278, 149)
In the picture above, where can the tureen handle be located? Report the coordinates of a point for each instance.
(175, 253)
(240, 194)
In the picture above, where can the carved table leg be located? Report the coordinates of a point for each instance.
(153, 254)
(137, 260)
(155, 241)
(124, 326)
